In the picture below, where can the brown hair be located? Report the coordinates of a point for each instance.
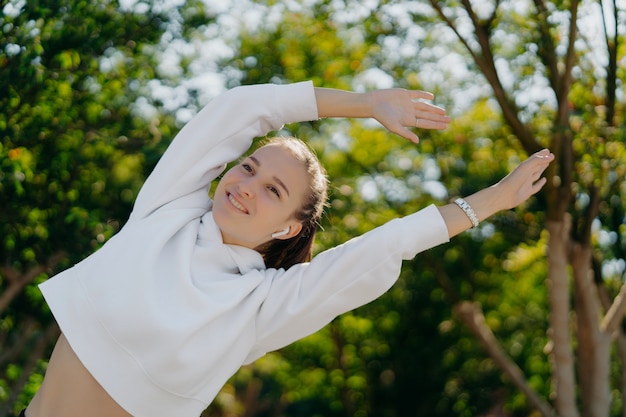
(279, 253)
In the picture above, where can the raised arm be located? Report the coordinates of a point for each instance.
(397, 109)
(220, 133)
(524, 181)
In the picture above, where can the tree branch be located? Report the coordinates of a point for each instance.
(546, 46)
(435, 4)
(612, 46)
(484, 59)
(471, 314)
(18, 281)
(591, 213)
(615, 314)
(570, 58)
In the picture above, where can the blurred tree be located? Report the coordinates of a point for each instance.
(553, 86)
(73, 153)
(91, 93)
(552, 68)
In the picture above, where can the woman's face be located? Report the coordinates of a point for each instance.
(259, 196)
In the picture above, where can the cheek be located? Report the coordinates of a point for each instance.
(228, 176)
(217, 189)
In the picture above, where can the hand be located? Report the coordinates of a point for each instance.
(401, 110)
(525, 180)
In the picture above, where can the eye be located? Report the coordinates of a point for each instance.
(247, 167)
(274, 190)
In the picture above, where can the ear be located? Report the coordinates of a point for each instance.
(292, 230)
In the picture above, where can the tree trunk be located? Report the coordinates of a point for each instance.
(559, 332)
(594, 344)
(621, 353)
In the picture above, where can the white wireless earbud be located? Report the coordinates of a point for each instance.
(281, 233)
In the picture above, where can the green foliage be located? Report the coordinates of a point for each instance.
(68, 170)
(74, 149)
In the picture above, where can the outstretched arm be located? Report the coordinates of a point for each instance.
(401, 110)
(524, 181)
(398, 109)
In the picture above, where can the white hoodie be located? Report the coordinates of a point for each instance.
(165, 312)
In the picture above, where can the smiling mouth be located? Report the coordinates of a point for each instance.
(236, 204)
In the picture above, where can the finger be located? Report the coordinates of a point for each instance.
(431, 117)
(544, 154)
(431, 124)
(428, 108)
(539, 161)
(536, 176)
(418, 94)
(538, 185)
(437, 117)
(406, 133)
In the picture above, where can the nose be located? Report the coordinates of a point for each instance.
(246, 188)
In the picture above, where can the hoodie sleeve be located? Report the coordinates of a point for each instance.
(306, 297)
(220, 133)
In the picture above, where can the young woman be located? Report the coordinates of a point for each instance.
(158, 319)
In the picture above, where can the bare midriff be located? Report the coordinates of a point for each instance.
(69, 390)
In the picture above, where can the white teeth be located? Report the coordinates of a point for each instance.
(236, 203)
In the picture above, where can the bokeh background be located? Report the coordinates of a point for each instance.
(523, 316)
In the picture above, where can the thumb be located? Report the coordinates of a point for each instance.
(407, 134)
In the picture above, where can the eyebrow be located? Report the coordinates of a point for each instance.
(280, 183)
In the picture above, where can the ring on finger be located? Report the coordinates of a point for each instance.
(417, 122)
